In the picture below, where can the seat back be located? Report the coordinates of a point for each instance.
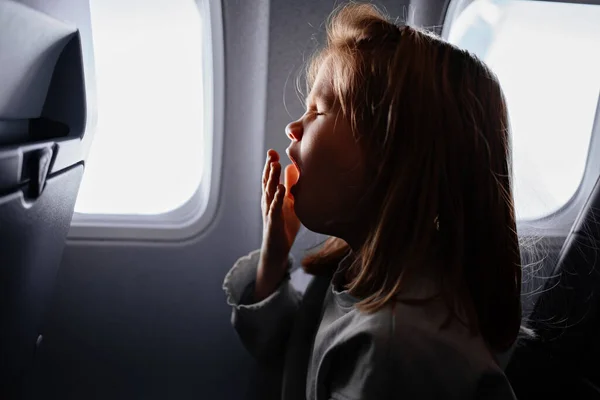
(562, 360)
(42, 120)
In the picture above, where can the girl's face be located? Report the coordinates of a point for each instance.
(332, 174)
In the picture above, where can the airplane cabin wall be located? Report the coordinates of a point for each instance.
(150, 320)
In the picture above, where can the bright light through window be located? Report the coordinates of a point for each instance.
(547, 58)
(146, 156)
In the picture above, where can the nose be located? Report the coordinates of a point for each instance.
(294, 130)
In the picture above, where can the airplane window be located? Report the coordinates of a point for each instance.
(147, 154)
(546, 57)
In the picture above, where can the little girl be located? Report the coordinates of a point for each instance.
(403, 158)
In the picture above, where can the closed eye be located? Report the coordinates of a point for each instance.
(312, 110)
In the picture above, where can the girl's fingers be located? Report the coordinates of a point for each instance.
(266, 172)
(277, 204)
(273, 181)
(272, 156)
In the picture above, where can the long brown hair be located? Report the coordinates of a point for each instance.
(433, 124)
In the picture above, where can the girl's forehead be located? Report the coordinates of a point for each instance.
(322, 88)
(323, 95)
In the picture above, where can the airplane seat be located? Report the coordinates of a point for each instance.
(561, 362)
(42, 120)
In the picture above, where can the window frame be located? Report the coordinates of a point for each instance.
(195, 216)
(559, 222)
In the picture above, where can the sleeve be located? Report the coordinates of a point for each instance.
(263, 327)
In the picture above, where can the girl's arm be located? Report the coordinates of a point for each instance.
(264, 326)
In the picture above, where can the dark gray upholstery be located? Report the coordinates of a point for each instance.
(562, 361)
(42, 118)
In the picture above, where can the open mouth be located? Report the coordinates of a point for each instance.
(290, 175)
(297, 169)
(294, 162)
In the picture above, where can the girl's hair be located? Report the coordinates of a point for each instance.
(433, 124)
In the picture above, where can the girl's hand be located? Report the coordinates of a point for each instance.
(280, 225)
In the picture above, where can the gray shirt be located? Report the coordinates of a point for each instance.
(327, 349)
